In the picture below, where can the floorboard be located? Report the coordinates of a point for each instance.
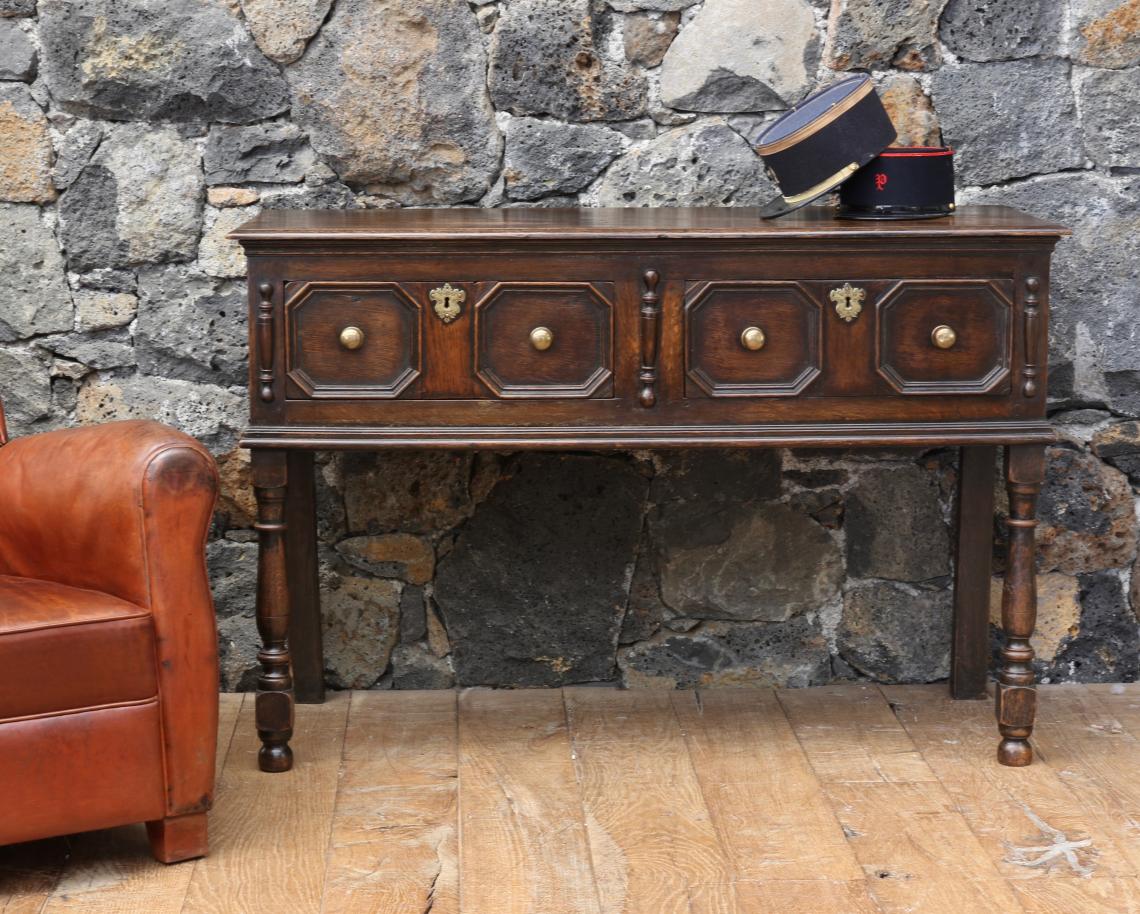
(849, 799)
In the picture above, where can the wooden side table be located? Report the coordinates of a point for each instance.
(645, 328)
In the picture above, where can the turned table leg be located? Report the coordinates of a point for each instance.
(305, 641)
(275, 685)
(970, 653)
(1015, 695)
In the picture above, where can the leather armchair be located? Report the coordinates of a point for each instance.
(108, 652)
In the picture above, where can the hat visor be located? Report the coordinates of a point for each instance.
(779, 206)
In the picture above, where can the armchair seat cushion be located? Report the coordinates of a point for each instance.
(65, 649)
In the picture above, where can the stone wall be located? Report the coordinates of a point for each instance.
(134, 135)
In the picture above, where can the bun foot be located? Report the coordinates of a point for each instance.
(275, 758)
(1015, 753)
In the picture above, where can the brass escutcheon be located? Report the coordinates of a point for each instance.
(943, 337)
(352, 337)
(848, 301)
(753, 338)
(446, 301)
(541, 338)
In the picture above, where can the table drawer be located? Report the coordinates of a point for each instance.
(351, 339)
(945, 337)
(820, 338)
(545, 339)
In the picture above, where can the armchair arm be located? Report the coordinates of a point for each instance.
(124, 509)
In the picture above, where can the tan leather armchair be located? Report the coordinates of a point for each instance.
(108, 652)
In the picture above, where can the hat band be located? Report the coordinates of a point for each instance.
(823, 186)
(817, 123)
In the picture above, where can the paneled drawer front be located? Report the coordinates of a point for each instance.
(545, 339)
(949, 337)
(846, 337)
(750, 339)
(351, 339)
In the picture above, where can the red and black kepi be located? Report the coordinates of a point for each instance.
(904, 182)
(814, 147)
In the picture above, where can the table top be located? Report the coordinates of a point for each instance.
(580, 223)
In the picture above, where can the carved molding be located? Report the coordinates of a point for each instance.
(650, 339)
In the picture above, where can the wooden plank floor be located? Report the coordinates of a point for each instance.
(850, 799)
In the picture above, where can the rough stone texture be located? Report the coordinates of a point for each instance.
(211, 414)
(1119, 445)
(723, 550)
(739, 55)
(191, 326)
(1086, 515)
(217, 254)
(415, 668)
(1001, 29)
(231, 196)
(282, 28)
(413, 615)
(731, 654)
(237, 507)
(393, 94)
(1058, 613)
(647, 36)
(894, 632)
(96, 350)
(233, 576)
(706, 164)
(875, 35)
(391, 555)
(266, 153)
(17, 53)
(416, 493)
(911, 112)
(769, 564)
(548, 57)
(534, 590)
(74, 152)
(1107, 647)
(1106, 33)
(546, 157)
(26, 389)
(895, 527)
(396, 95)
(182, 60)
(138, 200)
(96, 310)
(17, 7)
(1093, 282)
(33, 289)
(361, 623)
(1028, 126)
(25, 148)
(1108, 108)
(660, 6)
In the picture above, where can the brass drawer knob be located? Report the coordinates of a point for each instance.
(943, 337)
(352, 337)
(753, 338)
(541, 338)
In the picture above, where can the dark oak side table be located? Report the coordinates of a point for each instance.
(645, 328)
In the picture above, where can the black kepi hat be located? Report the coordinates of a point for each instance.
(904, 182)
(815, 146)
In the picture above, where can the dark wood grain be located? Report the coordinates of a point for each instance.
(717, 362)
(275, 684)
(666, 222)
(645, 310)
(579, 318)
(970, 652)
(1016, 698)
(305, 630)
